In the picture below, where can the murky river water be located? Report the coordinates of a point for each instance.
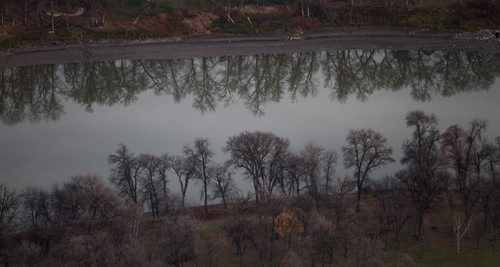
(57, 121)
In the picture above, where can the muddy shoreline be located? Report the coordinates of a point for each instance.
(208, 46)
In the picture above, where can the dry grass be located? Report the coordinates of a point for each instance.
(199, 22)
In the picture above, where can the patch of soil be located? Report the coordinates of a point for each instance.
(263, 13)
(301, 24)
(198, 21)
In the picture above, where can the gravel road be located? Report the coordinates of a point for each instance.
(218, 46)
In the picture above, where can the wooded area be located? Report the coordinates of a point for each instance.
(70, 21)
(299, 210)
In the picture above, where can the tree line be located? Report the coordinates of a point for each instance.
(95, 11)
(40, 11)
(38, 92)
(299, 209)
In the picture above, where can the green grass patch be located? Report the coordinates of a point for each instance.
(10, 43)
(109, 35)
(34, 39)
(208, 231)
(446, 256)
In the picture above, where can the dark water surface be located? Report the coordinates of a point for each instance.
(57, 121)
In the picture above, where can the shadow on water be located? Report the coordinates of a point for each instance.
(37, 93)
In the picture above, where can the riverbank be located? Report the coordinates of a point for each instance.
(205, 46)
(137, 21)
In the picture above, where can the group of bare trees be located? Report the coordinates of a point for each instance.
(298, 199)
(143, 179)
(256, 80)
(79, 222)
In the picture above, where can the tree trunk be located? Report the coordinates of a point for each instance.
(419, 226)
(224, 201)
(205, 185)
(358, 198)
(386, 236)
(25, 11)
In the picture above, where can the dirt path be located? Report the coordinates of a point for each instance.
(218, 46)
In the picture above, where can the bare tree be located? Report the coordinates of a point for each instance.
(96, 228)
(467, 154)
(366, 151)
(185, 169)
(461, 226)
(125, 173)
(202, 156)
(392, 207)
(8, 204)
(343, 212)
(151, 181)
(222, 183)
(240, 232)
(8, 208)
(328, 163)
(36, 211)
(84, 202)
(165, 166)
(312, 156)
(291, 184)
(424, 177)
(258, 154)
(177, 240)
(322, 240)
